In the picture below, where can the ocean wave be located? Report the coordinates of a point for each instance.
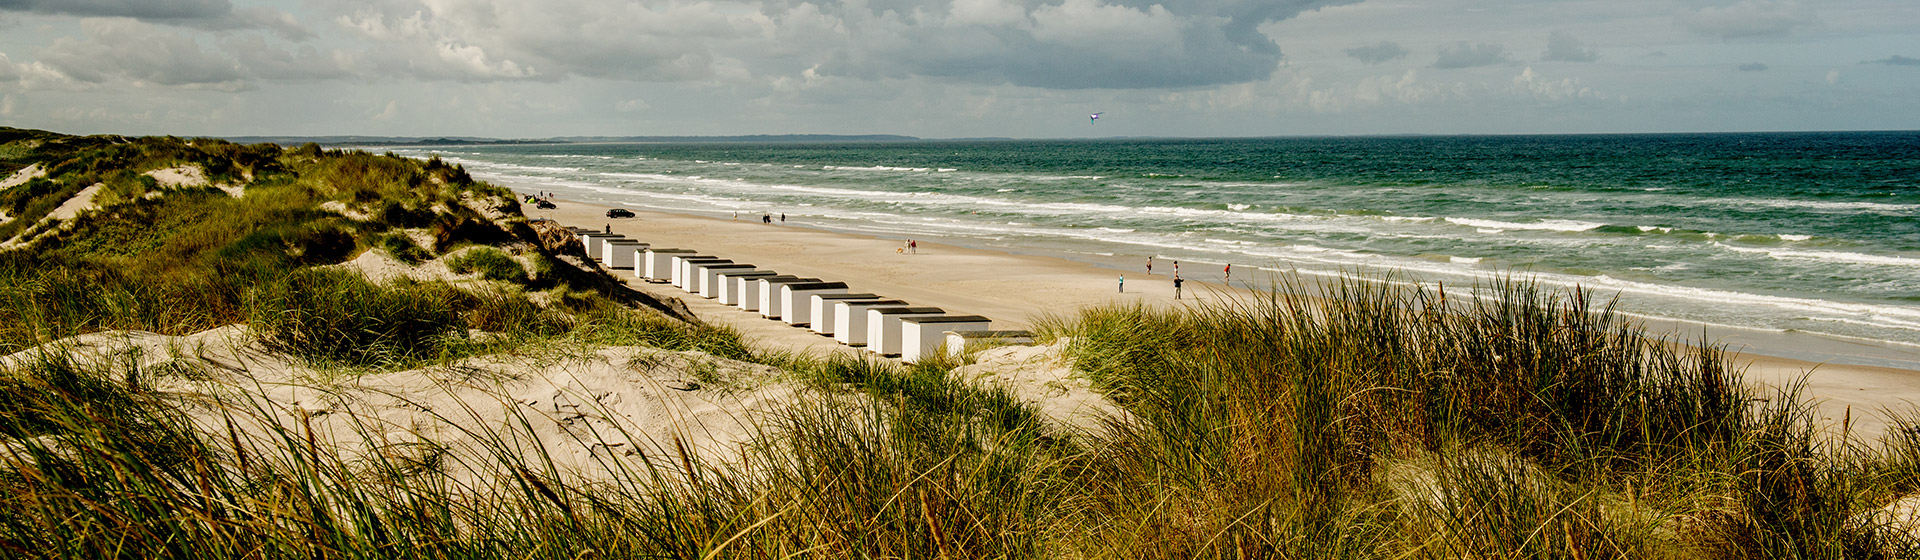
(484, 166)
(1837, 257)
(1827, 205)
(1543, 225)
(872, 168)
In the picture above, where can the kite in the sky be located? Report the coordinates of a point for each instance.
(1094, 117)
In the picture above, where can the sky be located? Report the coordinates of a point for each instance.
(956, 68)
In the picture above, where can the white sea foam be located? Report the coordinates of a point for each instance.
(1823, 205)
(871, 168)
(1542, 225)
(1838, 257)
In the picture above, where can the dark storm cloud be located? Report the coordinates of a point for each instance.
(137, 9)
(1056, 44)
(1384, 51)
(1071, 44)
(1468, 55)
(1897, 60)
(210, 15)
(1564, 47)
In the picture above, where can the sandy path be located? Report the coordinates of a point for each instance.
(1016, 290)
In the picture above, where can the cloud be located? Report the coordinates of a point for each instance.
(1753, 67)
(1469, 55)
(1562, 46)
(1896, 60)
(210, 15)
(1056, 44)
(1749, 19)
(631, 105)
(1529, 83)
(143, 54)
(137, 9)
(264, 60)
(1384, 51)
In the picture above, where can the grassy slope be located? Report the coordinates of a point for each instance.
(1368, 423)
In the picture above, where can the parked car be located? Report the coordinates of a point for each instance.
(619, 213)
(544, 205)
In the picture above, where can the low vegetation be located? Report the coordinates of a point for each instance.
(1360, 418)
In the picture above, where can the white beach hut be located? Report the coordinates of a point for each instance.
(921, 337)
(747, 290)
(659, 263)
(707, 278)
(684, 270)
(618, 254)
(675, 266)
(883, 326)
(771, 306)
(728, 290)
(850, 319)
(796, 303)
(591, 243)
(820, 307)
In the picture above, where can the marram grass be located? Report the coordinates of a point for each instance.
(1364, 422)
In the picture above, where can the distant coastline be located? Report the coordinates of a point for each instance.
(356, 140)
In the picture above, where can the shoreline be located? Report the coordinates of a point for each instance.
(1016, 289)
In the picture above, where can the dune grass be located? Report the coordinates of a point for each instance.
(1354, 418)
(1367, 422)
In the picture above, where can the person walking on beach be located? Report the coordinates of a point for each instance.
(1229, 271)
(1149, 266)
(913, 246)
(1123, 283)
(1176, 286)
(783, 218)
(1176, 268)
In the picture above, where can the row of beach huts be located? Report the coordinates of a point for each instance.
(884, 326)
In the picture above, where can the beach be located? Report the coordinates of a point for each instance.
(1017, 290)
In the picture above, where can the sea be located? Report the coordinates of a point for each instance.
(1742, 235)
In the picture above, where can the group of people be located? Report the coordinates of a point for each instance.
(1177, 280)
(766, 218)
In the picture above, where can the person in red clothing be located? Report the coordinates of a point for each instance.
(1229, 271)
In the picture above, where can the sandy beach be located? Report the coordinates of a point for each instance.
(1017, 290)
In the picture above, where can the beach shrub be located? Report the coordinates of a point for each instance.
(491, 263)
(450, 231)
(338, 315)
(403, 249)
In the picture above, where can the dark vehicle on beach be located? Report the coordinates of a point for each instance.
(619, 213)
(544, 205)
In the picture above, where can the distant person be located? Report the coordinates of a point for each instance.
(766, 218)
(1176, 268)
(609, 228)
(783, 218)
(913, 246)
(1229, 271)
(1123, 283)
(736, 216)
(1176, 287)
(1149, 266)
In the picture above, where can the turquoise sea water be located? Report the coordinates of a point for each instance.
(1807, 232)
